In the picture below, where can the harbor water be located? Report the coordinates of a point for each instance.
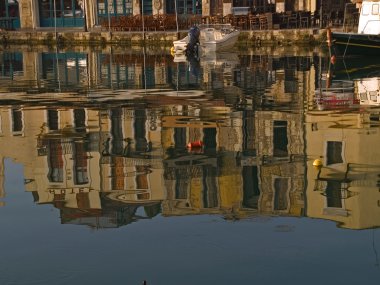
(255, 166)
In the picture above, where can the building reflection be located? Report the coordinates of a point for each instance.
(343, 184)
(111, 145)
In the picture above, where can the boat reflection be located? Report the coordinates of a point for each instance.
(208, 60)
(346, 168)
(349, 83)
(368, 89)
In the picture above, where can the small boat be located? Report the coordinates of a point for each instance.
(366, 41)
(213, 37)
(218, 37)
(180, 45)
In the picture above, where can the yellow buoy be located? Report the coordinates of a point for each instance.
(317, 163)
(172, 51)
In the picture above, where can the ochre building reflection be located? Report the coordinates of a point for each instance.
(246, 166)
(99, 166)
(109, 158)
(342, 134)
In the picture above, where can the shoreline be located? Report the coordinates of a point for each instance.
(69, 38)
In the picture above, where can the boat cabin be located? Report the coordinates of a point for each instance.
(369, 20)
(211, 34)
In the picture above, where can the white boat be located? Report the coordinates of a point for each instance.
(180, 45)
(213, 37)
(366, 41)
(218, 37)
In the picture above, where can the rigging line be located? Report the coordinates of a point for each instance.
(348, 42)
(56, 45)
(143, 19)
(345, 69)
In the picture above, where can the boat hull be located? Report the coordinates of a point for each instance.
(355, 44)
(223, 44)
(180, 45)
(355, 67)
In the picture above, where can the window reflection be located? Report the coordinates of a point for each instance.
(281, 186)
(210, 189)
(52, 120)
(17, 121)
(9, 14)
(333, 194)
(80, 164)
(80, 119)
(66, 69)
(11, 65)
(55, 161)
(280, 138)
(334, 152)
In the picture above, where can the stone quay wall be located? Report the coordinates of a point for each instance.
(95, 38)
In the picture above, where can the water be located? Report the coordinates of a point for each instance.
(123, 166)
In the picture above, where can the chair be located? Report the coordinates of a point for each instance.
(263, 22)
(150, 23)
(315, 19)
(136, 23)
(195, 20)
(242, 22)
(254, 22)
(304, 19)
(292, 21)
(205, 19)
(169, 22)
(125, 25)
(103, 24)
(158, 22)
(182, 21)
(228, 19)
(115, 24)
(216, 19)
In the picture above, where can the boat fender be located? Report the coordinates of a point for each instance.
(196, 144)
(333, 59)
(172, 51)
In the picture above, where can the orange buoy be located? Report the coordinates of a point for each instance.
(333, 59)
(196, 144)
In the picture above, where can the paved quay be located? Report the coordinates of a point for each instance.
(96, 37)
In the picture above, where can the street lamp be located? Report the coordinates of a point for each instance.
(321, 15)
(85, 15)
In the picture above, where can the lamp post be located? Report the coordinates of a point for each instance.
(176, 17)
(85, 15)
(321, 14)
(143, 18)
(109, 18)
(55, 21)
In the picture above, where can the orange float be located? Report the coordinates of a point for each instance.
(195, 144)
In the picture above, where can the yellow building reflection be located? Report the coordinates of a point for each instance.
(345, 188)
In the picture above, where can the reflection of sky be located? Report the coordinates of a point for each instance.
(37, 249)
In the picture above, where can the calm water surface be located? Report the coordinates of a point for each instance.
(250, 167)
